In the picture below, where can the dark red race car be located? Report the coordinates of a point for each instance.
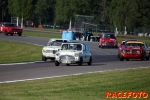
(122, 43)
(135, 50)
(108, 40)
(10, 28)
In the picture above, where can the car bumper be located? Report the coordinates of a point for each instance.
(67, 59)
(49, 55)
(110, 44)
(132, 56)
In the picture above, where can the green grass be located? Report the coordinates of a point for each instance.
(11, 52)
(145, 39)
(79, 87)
(45, 35)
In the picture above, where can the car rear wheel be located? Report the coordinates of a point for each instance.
(80, 62)
(56, 63)
(44, 58)
(90, 61)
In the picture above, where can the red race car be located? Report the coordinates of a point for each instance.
(10, 28)
(135, 50)
(108, 40)
(123, 42)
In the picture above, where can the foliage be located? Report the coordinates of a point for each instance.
(115, 13)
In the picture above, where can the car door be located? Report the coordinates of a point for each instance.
(147, 50)
(85, 53)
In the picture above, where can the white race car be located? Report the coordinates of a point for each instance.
(73, 53)
(48, 52)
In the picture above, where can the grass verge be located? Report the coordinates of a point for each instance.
(11, 52)
(46, 35)
(91, 86)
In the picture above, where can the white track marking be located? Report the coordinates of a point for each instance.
(22, 63)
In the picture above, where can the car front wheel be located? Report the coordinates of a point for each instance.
(20, 34)
(44, 58)
(56, 63)
(121, 58)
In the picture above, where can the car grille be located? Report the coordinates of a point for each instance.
(67, 57)
(51, 51)
(131, 51)
(109, 43)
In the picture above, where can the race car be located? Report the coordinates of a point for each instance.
(135, 50)
(48, 51)
(122, 44)
(108, 40)
(10, 28)
(73, 53)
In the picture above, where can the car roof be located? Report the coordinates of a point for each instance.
(54, 39)
(75, 43)
(136, 42)
(107, 33)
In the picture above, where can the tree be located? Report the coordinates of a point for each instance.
(4, 11)
(124, 13)
(21, 8)
(44, 9)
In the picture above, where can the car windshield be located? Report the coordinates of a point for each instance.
(54, 43)
(134, 44)
(72, 47)
(11, 25)
(112, 36)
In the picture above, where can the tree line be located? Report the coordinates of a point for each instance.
(111, 13)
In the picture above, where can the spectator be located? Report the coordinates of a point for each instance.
(85, 33)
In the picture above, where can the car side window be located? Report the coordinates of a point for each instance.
(84, 47)
(145, 45)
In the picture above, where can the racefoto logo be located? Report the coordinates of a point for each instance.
(127, 94)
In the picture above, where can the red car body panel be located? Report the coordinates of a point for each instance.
(131, 52)
(10, 28)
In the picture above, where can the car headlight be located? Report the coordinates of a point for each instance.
(44, 51)
(123, 51)
(138, 52)
(57, 54)
(76, 54)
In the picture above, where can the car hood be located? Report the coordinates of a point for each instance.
(131, 48)
(110, 40)
(51, 47)
(16, 28)
(70, 52)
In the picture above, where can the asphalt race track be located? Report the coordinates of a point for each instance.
(103, 59)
